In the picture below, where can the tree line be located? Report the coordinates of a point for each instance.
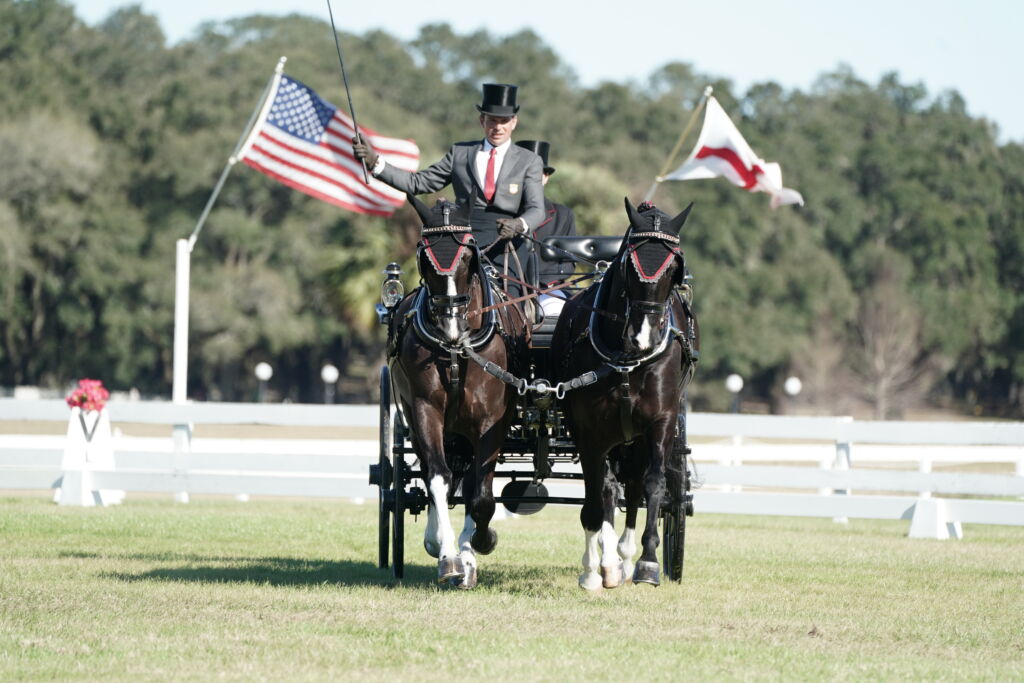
(897, 286)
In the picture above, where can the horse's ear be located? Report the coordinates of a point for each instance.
(634, 215)
(421, 209)
(676, 223)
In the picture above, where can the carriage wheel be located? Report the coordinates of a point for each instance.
(384, 475)
(398, 525)
(674, 531)
(674, 540)
(675, 528)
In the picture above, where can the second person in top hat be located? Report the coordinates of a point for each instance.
(559, 221)
(506, 179)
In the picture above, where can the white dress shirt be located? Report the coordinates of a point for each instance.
(484, 155)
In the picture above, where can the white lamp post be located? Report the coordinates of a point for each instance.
(263, 373)
(329, 374)
(734, 383)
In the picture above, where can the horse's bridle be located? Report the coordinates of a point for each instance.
(633, 242)
(447, 305)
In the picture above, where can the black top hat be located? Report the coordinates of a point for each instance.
(541, 149)
(499, 100)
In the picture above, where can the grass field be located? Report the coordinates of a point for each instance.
(289, 590)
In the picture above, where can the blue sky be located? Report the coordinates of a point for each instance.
(973, 47)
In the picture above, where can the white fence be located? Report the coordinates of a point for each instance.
(826, 459)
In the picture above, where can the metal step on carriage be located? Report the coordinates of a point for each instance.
(538, 449)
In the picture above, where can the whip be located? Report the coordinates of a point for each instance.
(344, 78)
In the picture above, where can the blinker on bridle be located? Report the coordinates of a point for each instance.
(639, 239)
(446, 305)
(461, 235)
(636, 240)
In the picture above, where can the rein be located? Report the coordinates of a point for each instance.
(538, 290)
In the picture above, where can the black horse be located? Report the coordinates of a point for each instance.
(637, 333)
(440, 339)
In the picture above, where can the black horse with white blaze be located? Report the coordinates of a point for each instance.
(439, 340)
(638, 334)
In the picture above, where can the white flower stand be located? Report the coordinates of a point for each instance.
(89, 447)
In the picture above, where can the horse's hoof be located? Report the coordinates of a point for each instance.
(486, 545)
(590, 581)
(647, 572)
(433, 548)
(613, 576)
(627, 570)
(450, 568)
(468, 581)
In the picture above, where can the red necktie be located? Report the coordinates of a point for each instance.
(489, 179)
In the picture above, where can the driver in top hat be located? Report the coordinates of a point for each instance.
(507, 179)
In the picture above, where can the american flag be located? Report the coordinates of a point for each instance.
(305, 142)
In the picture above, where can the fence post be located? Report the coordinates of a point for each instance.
(825, 464)
(924, 467)
(737, 460)
(1019, 470)
(842, 463)
(731, 461)
(182, 435)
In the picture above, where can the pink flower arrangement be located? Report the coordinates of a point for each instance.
(89, 395)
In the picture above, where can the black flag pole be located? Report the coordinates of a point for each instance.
(344, 78)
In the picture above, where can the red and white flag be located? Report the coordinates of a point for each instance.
(722, 151)
(305, 142)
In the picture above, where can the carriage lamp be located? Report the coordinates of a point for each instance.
(392, 290)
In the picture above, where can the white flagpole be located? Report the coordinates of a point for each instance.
(182, 265)
(183, 251)
(679, 143)
(182, 433)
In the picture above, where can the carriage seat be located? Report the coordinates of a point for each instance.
(590, 247)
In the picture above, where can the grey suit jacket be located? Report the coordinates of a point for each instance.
(519, 188)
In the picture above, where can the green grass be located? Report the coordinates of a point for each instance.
(285, 590)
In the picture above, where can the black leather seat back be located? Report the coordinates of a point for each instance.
(593, 248)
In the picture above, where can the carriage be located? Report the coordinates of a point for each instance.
(538, 449)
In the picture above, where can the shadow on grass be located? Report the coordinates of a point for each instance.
(278, 571)
(283, 571)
